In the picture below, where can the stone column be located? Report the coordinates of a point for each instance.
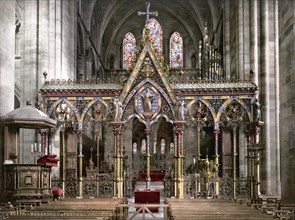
(277, 95)
(285, 83)
(118, 176)
(226, 39)
(254, 39)
(179, 125)
(240, 35)
(269, 79)
(80, 157)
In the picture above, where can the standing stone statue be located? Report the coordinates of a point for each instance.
(180, 110)
(256, 110)
(118, 109)
(147, 100)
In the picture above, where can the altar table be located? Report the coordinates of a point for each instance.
(147, 196)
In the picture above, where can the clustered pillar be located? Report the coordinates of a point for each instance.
(118, 160)
(216, 165)
(179, 181)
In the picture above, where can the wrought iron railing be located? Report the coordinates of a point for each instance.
(226, 187)
(101, 186)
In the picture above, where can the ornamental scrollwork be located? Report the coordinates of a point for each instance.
(64, 115)
(234, 112)
(199, 112)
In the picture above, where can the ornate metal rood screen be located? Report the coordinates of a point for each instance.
(102, 124)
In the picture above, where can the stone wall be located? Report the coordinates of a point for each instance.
(7, 46)
(287, 98)
(251, 42)
(48, 43)
(236, 39)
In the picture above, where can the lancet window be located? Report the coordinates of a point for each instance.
(129, 44)
(156, 35)
(176, 51)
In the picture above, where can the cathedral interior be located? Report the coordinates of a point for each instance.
(99, 98)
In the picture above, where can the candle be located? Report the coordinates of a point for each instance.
(36, 147)
(32, 148)
(194, 159)
(39, 148)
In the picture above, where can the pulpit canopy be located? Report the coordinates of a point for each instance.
(27, 117)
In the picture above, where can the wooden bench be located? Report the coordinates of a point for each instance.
(212, 209)
(103, 208)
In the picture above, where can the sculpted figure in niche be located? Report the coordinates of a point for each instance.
(147, 97)
(256, 110)
(180, 110)
(63, 112)
(118, 109)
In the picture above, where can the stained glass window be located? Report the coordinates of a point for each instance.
(129, 44)
(176, 51)
(156, 35)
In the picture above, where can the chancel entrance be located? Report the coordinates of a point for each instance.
(161, 150)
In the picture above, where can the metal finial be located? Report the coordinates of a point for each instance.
(45, 75)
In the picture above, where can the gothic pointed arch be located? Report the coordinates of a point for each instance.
(148, 67)
(129, 44)
(176, 51)
(148, 83)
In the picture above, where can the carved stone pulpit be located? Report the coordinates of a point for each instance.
(27, 183)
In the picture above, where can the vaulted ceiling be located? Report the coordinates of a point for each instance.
(109, 20)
